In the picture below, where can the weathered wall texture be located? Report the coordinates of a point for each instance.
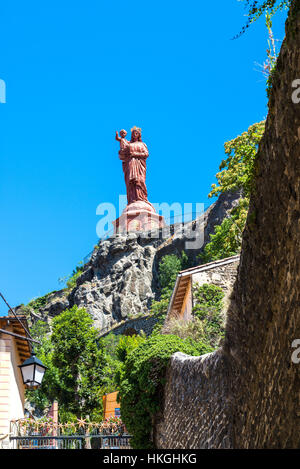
(221, 273)
(247, 395)
(223, 276)
(145, 324)
(196, 410)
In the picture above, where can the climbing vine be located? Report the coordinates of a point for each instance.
(257, 8)
(208, 299)
(142, 381)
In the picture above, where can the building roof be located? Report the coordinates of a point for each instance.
(184, 278)
(12, 325)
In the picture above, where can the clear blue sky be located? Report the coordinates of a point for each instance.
(77, 71)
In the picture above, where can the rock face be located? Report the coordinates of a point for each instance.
(121, 277)
(246, 395)
(119, 280)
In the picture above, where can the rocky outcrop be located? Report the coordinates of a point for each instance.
(121, 277)
(119, 280)
(197, 233)
(246, 395)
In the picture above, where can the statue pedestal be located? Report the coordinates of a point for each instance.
(138, 216)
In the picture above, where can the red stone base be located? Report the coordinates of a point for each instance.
(138, 216)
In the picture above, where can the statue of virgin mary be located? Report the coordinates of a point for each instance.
(133, 154)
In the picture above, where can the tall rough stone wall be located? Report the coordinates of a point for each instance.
(264, 316)
(196, 410)
(246, 395)
(139, 324)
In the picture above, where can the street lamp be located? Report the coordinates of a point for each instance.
(32, 371)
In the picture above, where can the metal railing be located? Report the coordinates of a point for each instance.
(71, 442)
(172, 222)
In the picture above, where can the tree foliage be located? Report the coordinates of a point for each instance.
(76, 363)
(227, 239)
(236, 174)
(142, 380)
(208, 306)
(169, 267)
(236, 170)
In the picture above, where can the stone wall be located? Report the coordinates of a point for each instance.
(246, 395)
(221, 273)
(223, 276)
(196, 406)
(145, 324)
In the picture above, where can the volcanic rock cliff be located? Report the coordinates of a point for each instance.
(121, 277)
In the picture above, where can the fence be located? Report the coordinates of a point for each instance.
(171, 223)
(71, 442)
(45, 434)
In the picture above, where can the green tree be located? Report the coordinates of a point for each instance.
(109, 345)
(75, 362)
(237, 169)
(227, 239)
(44, 396)
(236, 174)
(169, 267)
(79, 360)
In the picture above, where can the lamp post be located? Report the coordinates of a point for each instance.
(32, 371)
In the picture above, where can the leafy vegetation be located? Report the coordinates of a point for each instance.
(227, 239)
(75, 364)
(236, 170)
(169, 267)
(208, 299)
(236, 174)
(70, 280)
(142, 380)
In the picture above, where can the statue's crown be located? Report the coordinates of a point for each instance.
(136, 128)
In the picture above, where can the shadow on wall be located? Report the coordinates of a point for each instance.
(246, 395)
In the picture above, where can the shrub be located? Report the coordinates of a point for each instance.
(227, 239)
(142, 381)
(208, 309)
(75, 364)
(237, 169)
(169, 267)
(193, 331)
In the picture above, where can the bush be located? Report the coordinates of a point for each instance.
(169, 267)
(193, 331)
(75, 365)
(227, 239)
(142, 382)
(237, 169)
(208, 309)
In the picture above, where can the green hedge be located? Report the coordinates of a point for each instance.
(142, 381)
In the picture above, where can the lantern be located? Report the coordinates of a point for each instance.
(32, 371)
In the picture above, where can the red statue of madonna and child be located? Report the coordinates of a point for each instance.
(139, 215)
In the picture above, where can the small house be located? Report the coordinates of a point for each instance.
(221, 273)
(13, 351)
